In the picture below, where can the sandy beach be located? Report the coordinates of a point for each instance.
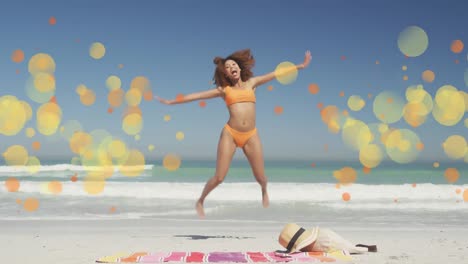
(84, 241)
(117, 117)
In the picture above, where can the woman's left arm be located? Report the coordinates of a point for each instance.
(259, 80)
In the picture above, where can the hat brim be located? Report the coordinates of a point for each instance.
(307, 238)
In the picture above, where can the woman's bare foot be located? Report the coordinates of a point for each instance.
(265, 199)
(200, 210)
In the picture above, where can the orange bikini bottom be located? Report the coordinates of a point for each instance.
(240, 137)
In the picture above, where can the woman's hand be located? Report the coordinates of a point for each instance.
(162, 100)
(307, 59)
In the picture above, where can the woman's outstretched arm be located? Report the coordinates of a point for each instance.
(208, 94)
(259, 80)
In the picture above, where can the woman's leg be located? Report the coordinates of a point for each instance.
(254, 153)
(226, 150)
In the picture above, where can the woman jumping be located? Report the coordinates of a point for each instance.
(236, 85)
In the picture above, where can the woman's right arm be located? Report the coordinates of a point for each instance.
(208, 94)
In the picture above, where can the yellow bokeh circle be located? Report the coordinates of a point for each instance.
(141, 84)
(333, 118)
(93, 184)
(13, 115)
(81, 89)
(370, 156)
(44, 82)
(286, 72)
(132, 124)
(345, 175)
(88, 97)
(414, 113)
(69, 128)
(48, 118)
(80, 141)
(417, 94)
(54, 187)
(356, 134)
(41, 63)
(97, 50)
(134, 165)
(402, 145)
(171, 162)
(455, 147)
(115, 97)
(117, 149)
(33, 164)
(113, 83)
(356, 103)
(449, 106)
(413, 41)
(133, 97)
(16, 155)
(388, 107)
(180, 136)
(30, 132)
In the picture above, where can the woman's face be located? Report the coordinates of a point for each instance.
(232, 70)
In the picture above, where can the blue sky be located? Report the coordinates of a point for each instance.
(173, 44)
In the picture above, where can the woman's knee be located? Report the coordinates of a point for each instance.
(261, 179)
(218, 179)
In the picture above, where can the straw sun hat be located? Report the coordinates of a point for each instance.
(294, 238)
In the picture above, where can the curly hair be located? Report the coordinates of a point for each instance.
(243, 58)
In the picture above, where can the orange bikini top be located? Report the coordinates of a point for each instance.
(233, 96)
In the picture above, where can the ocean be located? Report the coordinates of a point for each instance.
(391, 194)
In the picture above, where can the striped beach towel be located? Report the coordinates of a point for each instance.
(214, 257)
